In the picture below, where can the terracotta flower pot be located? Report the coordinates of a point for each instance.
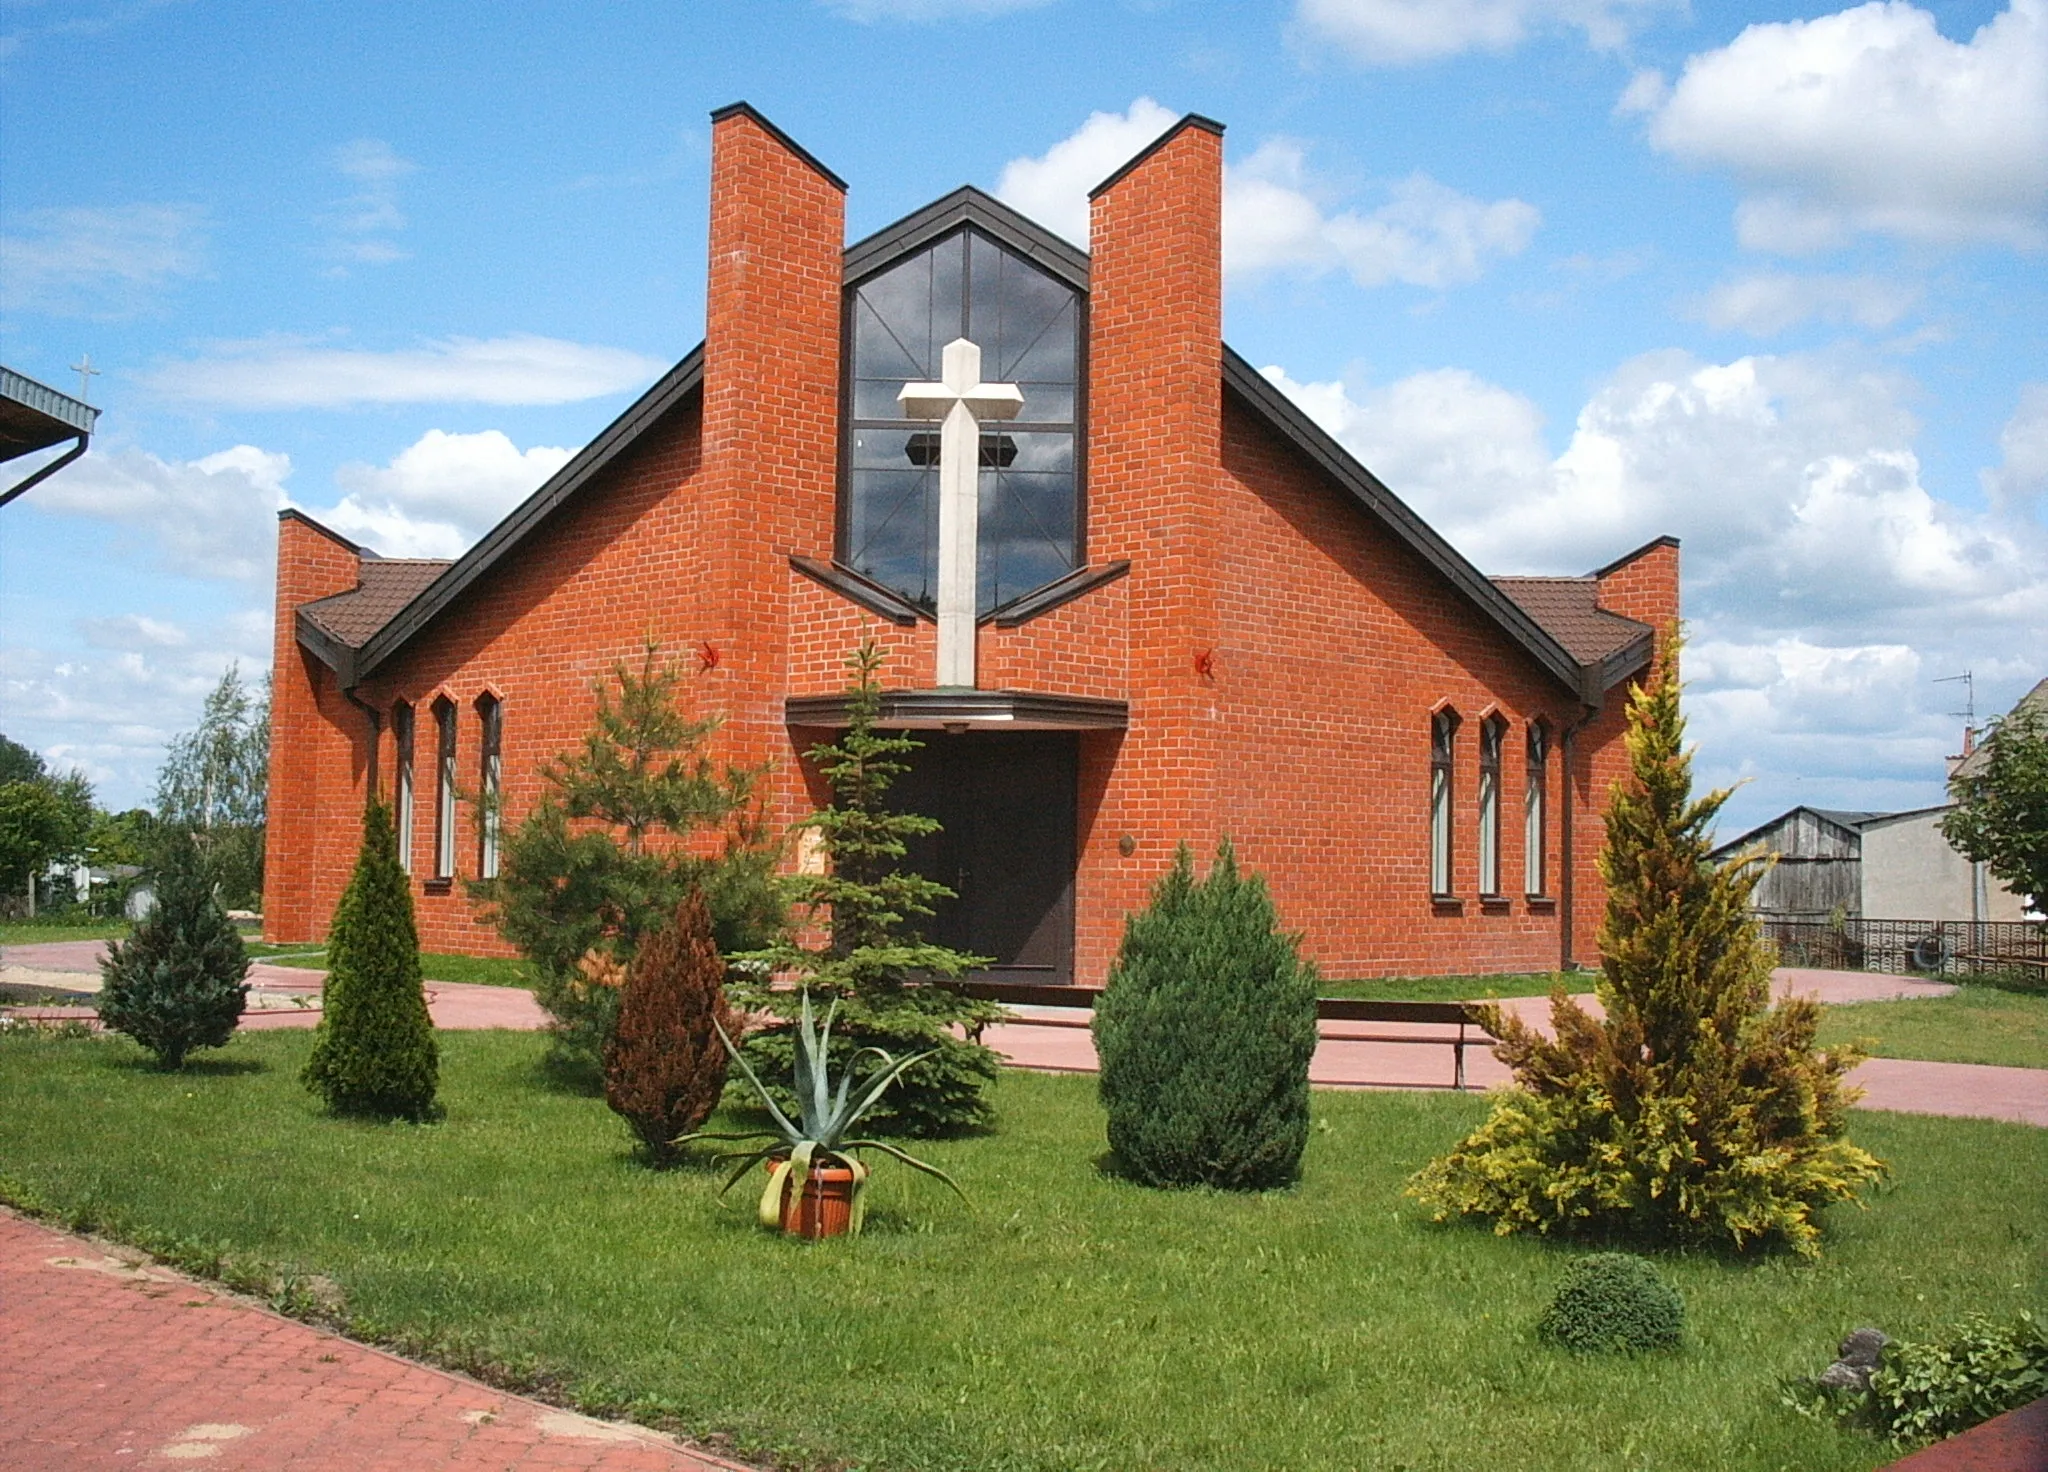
(825, 1206)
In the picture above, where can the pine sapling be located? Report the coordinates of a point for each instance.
(666, 1064)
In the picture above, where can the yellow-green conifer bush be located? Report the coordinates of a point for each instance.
(1695, 1111)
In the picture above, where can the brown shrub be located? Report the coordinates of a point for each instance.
(664, 1066)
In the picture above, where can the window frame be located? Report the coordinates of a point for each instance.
(445, 753)
(490, 711)
(1493, 734)
(404, 733)
(1443, 790)
(842, 521)
(1536, 813)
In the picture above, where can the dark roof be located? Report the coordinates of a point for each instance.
(1569, 609)
(1586, 663)
(34, 416)
(1843, 818)
(388, 584)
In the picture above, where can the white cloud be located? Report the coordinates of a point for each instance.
(1870, 120)
(1826, 584)
(519, 369)
(1402, 32)
(106, 263)
(2021, 478)
(1053, 188)
(928, 10)
(1768, 302)
(439, 494)
(362, 224)
(208, 518)
(109, 712)
(1275, 217)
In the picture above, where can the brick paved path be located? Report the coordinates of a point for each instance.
(109, 1361)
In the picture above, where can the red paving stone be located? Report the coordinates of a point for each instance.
(107, 1360)
(2014, 1442)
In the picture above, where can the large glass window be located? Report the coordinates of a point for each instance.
(1028, 327)
(491, 721)
(444, 790)
(1534, 802)
(1443, 738)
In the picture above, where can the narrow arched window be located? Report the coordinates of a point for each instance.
(444, 789)
(402, 741)
(490, 713)
(1492, 735)
(1443, 739)
(1028, 325)
(1535, 810)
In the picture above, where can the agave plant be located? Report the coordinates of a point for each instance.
(825, 1117)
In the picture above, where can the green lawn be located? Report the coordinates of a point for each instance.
(1979, 1024)
(1071, 1321)
(1458, 988)
(35, 932)
(483, 970)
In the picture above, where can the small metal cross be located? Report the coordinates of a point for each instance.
(86, 374)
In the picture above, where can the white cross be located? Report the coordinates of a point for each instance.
(963, 401)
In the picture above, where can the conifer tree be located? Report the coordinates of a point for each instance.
(614, 846)
(374, 1052)
(665, 1064)
(1204, 1033)
(1694, 1111)
(178, 982)
(876, 961)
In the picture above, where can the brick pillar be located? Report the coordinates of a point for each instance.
(311, 745)
(1155, 470)
(771, 415)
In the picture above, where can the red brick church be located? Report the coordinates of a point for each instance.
(1131, 596)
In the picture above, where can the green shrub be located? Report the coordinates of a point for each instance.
(177, 983)
(1928, 1389)
(1694, 1110)
(374, 1052)
(665, 1064)
(1614, 1301)
(1204, 1030)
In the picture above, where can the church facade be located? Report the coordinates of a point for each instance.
(1130, 597)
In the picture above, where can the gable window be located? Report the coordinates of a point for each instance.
(491, 722)
(402, 739)
(1492, 735)
(1443, 739)
(1028, 326)
(1534, 816)
(444, 790)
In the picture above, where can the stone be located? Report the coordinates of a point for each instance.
(1859, 1356)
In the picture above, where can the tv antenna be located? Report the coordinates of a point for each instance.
(1968, 681)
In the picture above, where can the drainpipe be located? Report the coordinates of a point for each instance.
(47, 471)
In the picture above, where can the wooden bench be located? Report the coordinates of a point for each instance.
(1464, 1016)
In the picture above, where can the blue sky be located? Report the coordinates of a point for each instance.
(1566, 273)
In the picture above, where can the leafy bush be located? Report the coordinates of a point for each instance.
(1614, 1301)
(374, 1052)
(1205, 1030)
(665, 1064)
(606, 856)
(1695, 1110)
(873, 962)
(1923, 1390)
(177, 983)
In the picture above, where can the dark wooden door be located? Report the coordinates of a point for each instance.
(1007, 802)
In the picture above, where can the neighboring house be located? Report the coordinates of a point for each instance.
(1190, 613)
(1869, 866)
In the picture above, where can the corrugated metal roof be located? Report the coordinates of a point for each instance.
(387, 585)
(1569, 611)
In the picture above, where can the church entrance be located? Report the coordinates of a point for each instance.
(1007, 801)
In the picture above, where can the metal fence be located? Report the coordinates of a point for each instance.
(1910, 947)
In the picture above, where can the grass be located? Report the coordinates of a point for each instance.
(1458, 988)
(1071, 1321)
(481, 970)
(35, 932)
(1979, 1024)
